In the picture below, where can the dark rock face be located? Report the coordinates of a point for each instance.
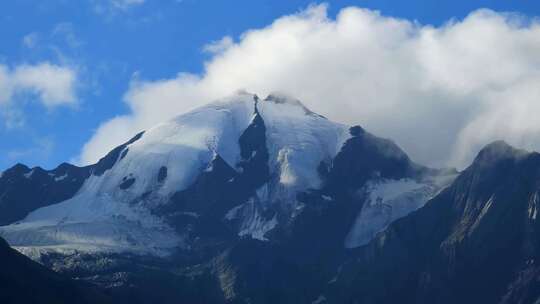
(476, 242)
(254, 153)
(127, 183)
(364, 157)
(318, 232)
(219, 188)
(162, 174)
(24, 281)
(23, 190)
(112, 157)
(263, 272)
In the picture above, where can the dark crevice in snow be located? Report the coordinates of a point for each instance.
(127, 183)
(162, 174)
(219, 187)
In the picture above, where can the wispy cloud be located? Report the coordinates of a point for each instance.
(54, 85)
(66, 32)
(30, 40)
(61, 42)
(125, 4)
(110, 8)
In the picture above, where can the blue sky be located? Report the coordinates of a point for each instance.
(107, 42)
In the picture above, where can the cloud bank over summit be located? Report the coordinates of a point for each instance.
(440, 92)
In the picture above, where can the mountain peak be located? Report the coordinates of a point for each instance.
(19, 168)
(280, 98)
(356, 130)
(498, 150)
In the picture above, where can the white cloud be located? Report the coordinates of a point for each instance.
(55, 85)
(439, 92)
(52, 85)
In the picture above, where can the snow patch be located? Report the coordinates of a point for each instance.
(60, 178)
(387, 200)
(533, 206)
(252, 222)
(298, 141)
(191, 214)
(29, 174)
(88, 223)
(326, 198)
(320, 300)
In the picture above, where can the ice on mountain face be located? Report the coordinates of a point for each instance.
(60, 178)
(320, 300)
(387, 201)
(250, 215)
(534, 201)
(29, 174)
(90, 223)
(109, 235)
(183, 146)
(298, 141)
(104, 214)
(252, 222)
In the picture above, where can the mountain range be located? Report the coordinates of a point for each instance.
(249, 200)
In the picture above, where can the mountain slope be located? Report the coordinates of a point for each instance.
(476, 242)
(24, 281)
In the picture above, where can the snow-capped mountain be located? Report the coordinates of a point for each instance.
(250, 200)
(145, 196)
(209, 190)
